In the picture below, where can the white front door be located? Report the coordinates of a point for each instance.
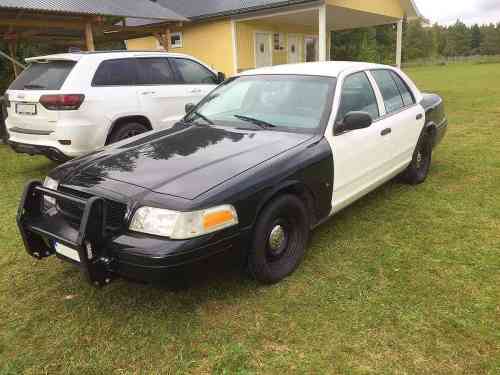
(293, 49)
(361, 157)
(263, 52)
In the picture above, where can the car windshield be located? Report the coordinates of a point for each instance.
(279, 102)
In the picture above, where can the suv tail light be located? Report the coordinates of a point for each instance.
(6, 100)
(69, 102)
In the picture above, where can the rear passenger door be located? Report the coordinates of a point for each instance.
(197, 81)
(160, 95)
(403, 116)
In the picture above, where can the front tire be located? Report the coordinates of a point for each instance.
(280, 240)
(418, 170)
(125, 131)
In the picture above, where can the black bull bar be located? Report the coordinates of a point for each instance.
(40, 232)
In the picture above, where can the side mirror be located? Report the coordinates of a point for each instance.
(355, 121)
(189, 107)
(221, 77)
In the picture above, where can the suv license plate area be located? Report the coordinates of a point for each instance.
(26, 109)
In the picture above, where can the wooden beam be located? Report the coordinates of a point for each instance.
(166, 40)
(89, 37)
(42, 24)
(13, 52)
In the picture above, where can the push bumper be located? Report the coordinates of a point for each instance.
(103, 257)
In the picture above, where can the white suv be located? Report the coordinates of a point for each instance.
(67, 105)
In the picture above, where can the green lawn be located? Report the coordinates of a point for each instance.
(406, 281)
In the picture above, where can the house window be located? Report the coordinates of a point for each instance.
(176, 40)
(279, 41)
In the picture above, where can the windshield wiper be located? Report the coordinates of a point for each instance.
(34, 87)
(263, 124)
(200, 116)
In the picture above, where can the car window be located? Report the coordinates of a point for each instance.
(287, 102)
(154, 71)
(119, 72)
(193, 73)
(358, 95)
(390, 92)
(405, 92)
(49, 75)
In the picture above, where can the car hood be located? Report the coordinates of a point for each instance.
(187, 162)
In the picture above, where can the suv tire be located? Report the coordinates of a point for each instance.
(126, 130)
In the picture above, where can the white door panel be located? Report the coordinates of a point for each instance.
(263, 50)
(293, 49)
(164, 104)
(361, 161)
(406, 129)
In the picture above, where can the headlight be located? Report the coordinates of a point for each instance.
(183, 225)
(51, 184)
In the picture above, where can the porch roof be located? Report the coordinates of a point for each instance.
(197, 10)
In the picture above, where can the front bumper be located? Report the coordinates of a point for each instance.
(102, 256)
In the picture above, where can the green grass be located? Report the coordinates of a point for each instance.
(406, 281)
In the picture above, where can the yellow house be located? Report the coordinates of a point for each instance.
(237, 35)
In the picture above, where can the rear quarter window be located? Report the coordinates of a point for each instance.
(118, 72)
(49, 75)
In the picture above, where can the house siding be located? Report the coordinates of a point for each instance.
(390, 8)
(211, 42)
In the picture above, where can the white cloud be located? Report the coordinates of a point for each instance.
(468, 11)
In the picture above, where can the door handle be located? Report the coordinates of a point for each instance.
(195, 91)
(148, 93)
(386, 132)
(420, 116)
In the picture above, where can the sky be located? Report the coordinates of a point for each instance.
(469, 11)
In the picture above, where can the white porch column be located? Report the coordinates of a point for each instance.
(323, 39)
(399, 44)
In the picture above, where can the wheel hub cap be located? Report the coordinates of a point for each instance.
(277, 239)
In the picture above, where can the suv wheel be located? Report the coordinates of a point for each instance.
(127, 130)
(280, 240)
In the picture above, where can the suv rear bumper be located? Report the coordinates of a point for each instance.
(48, 151)
(103, 257)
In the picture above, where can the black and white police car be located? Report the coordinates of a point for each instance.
(251, 170)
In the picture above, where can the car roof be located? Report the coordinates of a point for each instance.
(328, 68)
(77, 56)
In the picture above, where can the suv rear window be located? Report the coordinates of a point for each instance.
(43, 76)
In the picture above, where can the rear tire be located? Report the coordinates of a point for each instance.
(280, 240)
(125, 131)
(418, 170)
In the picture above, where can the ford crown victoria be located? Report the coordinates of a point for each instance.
(255, 166)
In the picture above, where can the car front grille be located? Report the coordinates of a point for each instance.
(73, 212)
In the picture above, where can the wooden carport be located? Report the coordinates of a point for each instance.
(80, 23)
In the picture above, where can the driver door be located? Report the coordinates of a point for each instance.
(361, 157)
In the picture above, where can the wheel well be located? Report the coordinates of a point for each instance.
(300, 191)
(123, 120)
(430, 130)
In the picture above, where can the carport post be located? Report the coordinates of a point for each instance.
(399, 44)
(89, 37)
(323, 39)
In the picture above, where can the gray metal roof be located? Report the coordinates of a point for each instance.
(196, 9)
(144, 9)
(200, 9)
